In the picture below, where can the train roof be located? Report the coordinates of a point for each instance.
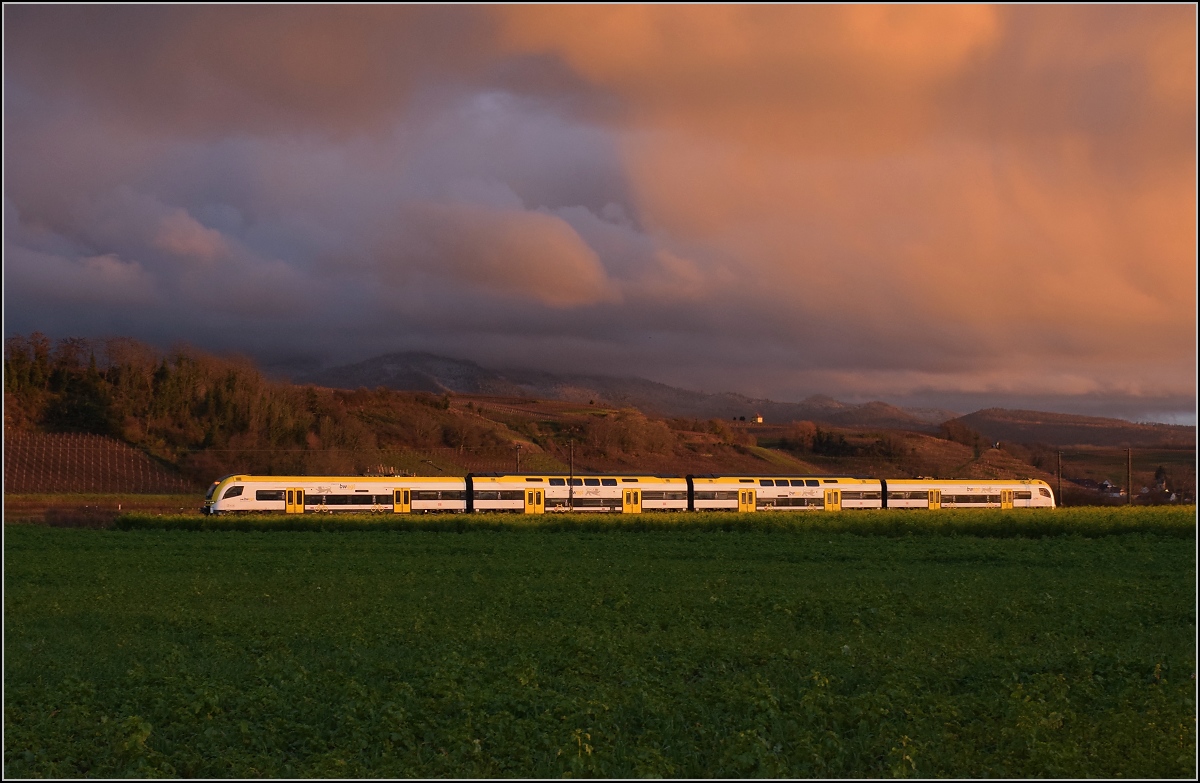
(577, 474)
(782, 475)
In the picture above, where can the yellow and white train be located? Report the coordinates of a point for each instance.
(621, 493)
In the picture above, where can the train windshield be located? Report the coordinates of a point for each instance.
(215, 484)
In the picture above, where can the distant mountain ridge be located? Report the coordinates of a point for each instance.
(419, 371)
(1064, 429)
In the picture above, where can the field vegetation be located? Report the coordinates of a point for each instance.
(1172, 521)
(597, 647)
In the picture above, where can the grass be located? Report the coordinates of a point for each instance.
(693, 651)
(1176, 521)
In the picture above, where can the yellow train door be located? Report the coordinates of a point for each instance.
(631, 501)
(535, 501)
(746, 499)
(935, 499)
(402, 501)
(295, 501)
(1006, 498)
(833, 500)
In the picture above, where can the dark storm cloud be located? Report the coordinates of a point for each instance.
(910, 203)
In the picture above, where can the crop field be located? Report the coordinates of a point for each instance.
(487, 648)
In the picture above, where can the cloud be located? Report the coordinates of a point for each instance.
(201, 72)
(181, 235)
(527, 255)
(772, 77)
(856, 200)
(104, 281)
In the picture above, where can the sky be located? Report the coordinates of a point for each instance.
(959, 207)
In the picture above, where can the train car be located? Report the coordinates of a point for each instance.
(594, 493)
(779, 493)
(327, 494)
(968, 493)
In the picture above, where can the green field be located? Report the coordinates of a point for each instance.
(542, 652)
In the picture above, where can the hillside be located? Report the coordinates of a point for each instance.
(1062, 429)
(194, 417)
(415, 371)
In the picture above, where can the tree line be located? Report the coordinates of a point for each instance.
(209, 415)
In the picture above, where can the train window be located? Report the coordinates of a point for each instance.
(746, 481)
(268, 494)
(908, 494)
(629, 480)
(1023, 495)
(811, 483)
(232, 492)
(592, 482)
(576, 482)
(1044, 492)
(538, 480)
(766, 482)
(211, 489)
(830, 481)
(608, 482)
(558, 482)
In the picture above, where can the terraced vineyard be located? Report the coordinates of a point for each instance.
(74, 462)
(605, 651)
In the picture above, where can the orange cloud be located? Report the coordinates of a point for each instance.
(181, 235)
(777, 76)
(836, 158)
(522, 254)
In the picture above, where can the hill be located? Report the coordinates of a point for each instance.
(416, 371)
(197, 417)
(1062, 429)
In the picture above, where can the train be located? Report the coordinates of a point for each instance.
(621, 493)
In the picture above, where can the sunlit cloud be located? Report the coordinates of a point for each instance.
(973, 204)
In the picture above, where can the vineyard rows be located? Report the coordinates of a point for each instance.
(77, 463)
